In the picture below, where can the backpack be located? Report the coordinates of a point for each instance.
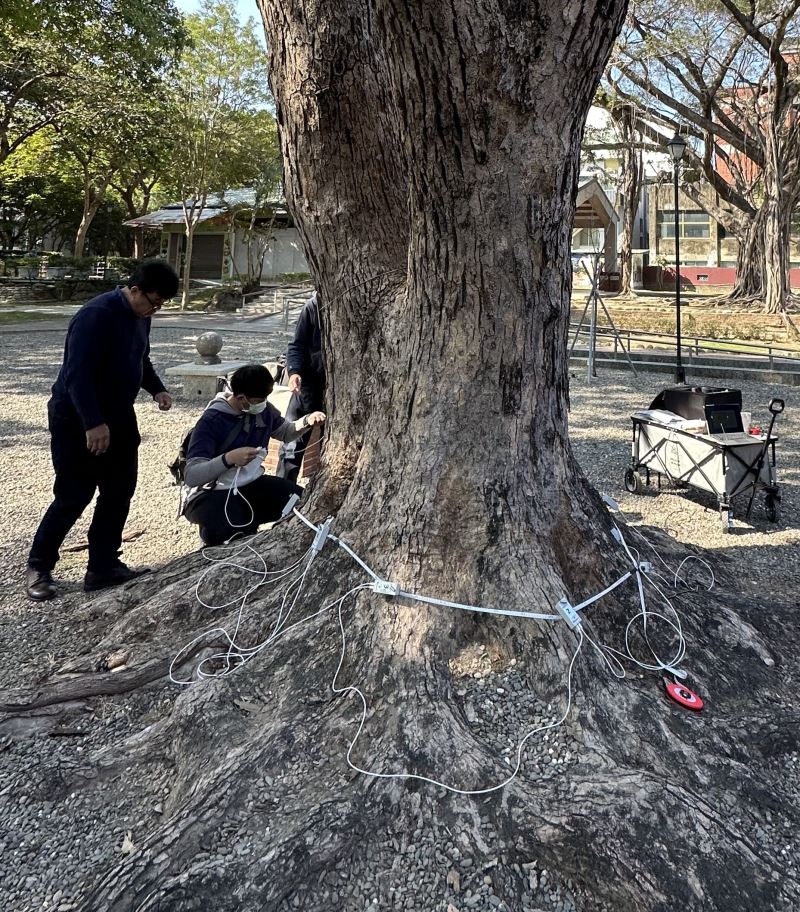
(177, 467)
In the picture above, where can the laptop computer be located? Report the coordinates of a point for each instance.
(723, 418)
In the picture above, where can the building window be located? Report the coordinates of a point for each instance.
(693, 224)
(587, 238)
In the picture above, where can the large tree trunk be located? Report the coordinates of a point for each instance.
(762, 261)
(762, 265)
(431, 164)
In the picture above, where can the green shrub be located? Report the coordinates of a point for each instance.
(290, 277)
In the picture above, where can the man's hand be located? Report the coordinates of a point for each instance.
(241, 456)
(314, 418)
(164, 401)
(98, 439)
(295, 383)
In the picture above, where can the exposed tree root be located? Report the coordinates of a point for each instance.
(659, 810)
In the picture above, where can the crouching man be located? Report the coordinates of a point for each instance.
(226, 490)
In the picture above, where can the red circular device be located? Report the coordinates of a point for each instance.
(684, 697)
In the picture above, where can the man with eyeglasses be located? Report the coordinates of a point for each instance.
(94, 436)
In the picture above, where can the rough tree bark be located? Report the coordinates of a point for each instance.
(431, 156)
(762, 259)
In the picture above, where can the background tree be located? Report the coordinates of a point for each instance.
(120, 113)
(218, 112)
(256, 231)
(136, 181)
(40, 195)
(726, 75)
(622, 137)
(431, 161)
(56, 59)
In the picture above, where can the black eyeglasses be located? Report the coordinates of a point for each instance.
(152, 303)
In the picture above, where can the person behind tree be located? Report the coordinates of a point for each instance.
(227, 491)
(94, 436)
(306, 370)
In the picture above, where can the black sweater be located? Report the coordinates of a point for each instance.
(304, 353)
(106, 363)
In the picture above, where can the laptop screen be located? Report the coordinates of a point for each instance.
(723, 418)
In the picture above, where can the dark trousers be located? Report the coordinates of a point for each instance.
(291, 454)
(266, 497)
(78, 475)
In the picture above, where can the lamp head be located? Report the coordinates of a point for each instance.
(677, 147)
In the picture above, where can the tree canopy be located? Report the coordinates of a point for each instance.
(223, 134)
(725, 74)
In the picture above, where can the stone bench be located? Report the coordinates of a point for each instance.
(200, 380)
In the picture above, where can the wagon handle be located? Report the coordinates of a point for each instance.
(775, 407)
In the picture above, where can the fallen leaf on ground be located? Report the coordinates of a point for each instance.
(83, 545)
(246, 705)
(127, 847)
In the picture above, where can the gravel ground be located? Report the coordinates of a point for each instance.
(52, 841)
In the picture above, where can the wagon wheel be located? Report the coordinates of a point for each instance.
(772, 507)
(634, 484)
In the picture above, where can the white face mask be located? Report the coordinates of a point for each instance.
(253, 408)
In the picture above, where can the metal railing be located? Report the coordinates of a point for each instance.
(282, 301)
(694, 346)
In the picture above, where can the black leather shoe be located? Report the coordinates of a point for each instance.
(116, 576)
(39, 585)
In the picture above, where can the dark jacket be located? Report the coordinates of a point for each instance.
(106, 363)
(304, 353)
(204, 459)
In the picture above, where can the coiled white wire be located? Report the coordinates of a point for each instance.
(238, 654)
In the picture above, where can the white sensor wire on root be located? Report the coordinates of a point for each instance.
(352, 688)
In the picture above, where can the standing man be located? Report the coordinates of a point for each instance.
(94, 436)
(306, 371)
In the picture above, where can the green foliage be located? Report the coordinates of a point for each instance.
(89, 74)
(40, 194)
(289, 278)
(223, 135)
(71, 59)
(221, 130)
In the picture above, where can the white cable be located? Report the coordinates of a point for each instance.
(302, 518)
(676, 574)
(611, 588)
(503, 611)
(343, 544)
(237, 492)
(237, 655)
(265, 574)
(679, 578)
(350, 688)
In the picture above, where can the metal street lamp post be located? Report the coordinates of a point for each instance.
(677, 147)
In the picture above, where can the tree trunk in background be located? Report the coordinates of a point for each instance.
(629, 187)
(93, 195)
(762, 264)
(186, 279)
(749, 283)
(128, 195)
(431, 161)
(762, 260)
